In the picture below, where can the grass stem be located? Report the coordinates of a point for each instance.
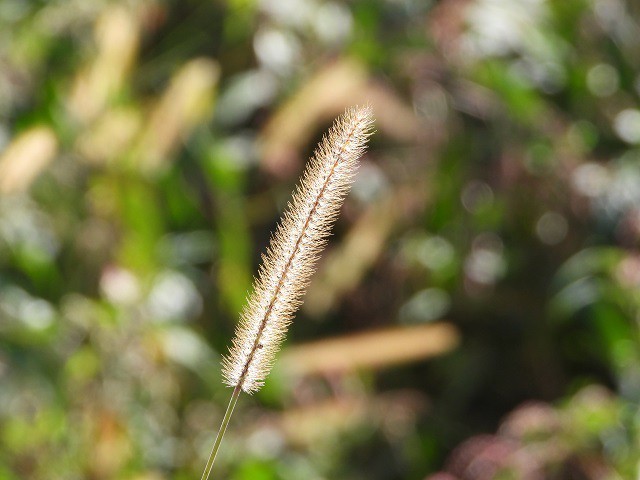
(223, 428)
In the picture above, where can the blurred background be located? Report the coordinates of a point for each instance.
(475, 316)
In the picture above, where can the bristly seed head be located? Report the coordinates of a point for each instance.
(291, 256)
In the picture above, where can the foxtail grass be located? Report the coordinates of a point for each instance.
(291, 257)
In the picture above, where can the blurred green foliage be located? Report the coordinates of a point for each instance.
(147, 148)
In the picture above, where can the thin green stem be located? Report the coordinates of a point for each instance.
(223, 428)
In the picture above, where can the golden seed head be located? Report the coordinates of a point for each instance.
(289, 261)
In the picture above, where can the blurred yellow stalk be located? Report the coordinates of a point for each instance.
(185, 103)
(25, 157)
(370, 349)
(117, 37)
